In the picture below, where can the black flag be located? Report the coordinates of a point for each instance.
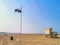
(18, 10)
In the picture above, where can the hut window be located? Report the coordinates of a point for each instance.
(11, 38)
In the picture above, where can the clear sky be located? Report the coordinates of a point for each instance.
(37, 15)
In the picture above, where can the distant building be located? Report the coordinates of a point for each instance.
(48, 32)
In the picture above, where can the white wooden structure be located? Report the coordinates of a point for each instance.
(48, 32)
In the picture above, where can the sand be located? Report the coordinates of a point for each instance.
(27, 39)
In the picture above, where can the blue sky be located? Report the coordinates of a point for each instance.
(37, 15)
(41, 14)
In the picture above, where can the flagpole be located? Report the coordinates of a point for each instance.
(21, 21)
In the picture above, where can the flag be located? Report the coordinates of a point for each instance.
(19, 10)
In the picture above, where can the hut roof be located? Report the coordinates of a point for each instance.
(48, 28)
